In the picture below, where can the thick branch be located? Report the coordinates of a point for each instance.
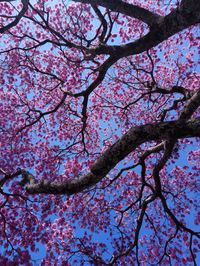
(125, 8)
(186, 15)
(18, 17)
(117, 152)
(178, 20)
(191, 106)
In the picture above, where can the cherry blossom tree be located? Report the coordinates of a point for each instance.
(99, 130)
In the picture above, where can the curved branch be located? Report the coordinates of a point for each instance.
(117, 152)
(127, 9)
(178, 20)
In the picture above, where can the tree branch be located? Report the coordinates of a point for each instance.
(191, 106)
(127, 9)
(18, 17)
(117, 152)
(178, 20)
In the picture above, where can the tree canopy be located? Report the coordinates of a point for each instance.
(99, 132)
